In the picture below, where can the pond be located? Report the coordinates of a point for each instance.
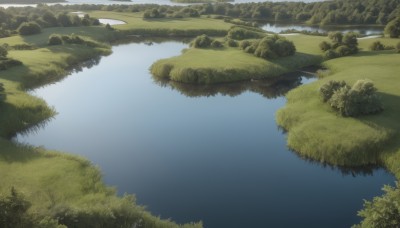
(190, 153)
(363, 30)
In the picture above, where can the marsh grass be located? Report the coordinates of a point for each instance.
(317, 132)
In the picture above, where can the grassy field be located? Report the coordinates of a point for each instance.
(316, 131)
(59, 185)
(207, 66)
(136, 25)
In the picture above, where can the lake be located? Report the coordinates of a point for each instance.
(190, 153)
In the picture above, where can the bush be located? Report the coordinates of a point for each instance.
(216, 44)
(202, 41)
(343, 50)
(324, 46)
(377, 46)
(330, 54)
(55, 39)
(361, 99)
(3, 51)
(271, 47)
(29, 28)
(244, 44)
(232, 43)
(326, 91)
(2, 93)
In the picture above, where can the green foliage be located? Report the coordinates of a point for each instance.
(326, 90)
(361, 99)
(393, 28)
(3, 51)
(13, 211)
(202, 41)
(29, 28)
(55, 39)
(2, 92)
(270, 47)
(325, 46)
(241, 33)
(232, 43)
(382, 211)
(216, 44)
(377, 46)
(342, 45)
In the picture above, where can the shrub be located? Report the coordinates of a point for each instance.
(232, 43)
(202, 41)
(244, 44)
(216, 44)
(343, 50)
(271, 47)
(324, 46)
(326, 91)
(2, 93)
(29, 28)
(376, 46)
(55, 39)
(3, 51)
(361, 99)
(330, 54)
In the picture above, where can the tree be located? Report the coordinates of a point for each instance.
(393, 28)
(29, 28)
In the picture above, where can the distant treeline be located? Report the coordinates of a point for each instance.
(29, 1)
(324, 13)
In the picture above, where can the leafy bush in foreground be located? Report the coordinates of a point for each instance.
(361, 99)
(55, 39)
(382, 211)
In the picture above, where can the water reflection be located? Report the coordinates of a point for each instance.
(268, 88)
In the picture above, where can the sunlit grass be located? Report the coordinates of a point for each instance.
(316, 131)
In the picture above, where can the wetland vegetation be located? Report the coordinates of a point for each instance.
(36, 178)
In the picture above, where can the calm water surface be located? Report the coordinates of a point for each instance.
(211, 153)
(363, 30)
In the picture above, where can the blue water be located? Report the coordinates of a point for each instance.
(192, 153)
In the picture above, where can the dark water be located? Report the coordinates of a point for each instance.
(210, 153)
(363, 30)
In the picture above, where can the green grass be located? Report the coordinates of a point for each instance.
(316, 131)
(136, 25)
(207, 66)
